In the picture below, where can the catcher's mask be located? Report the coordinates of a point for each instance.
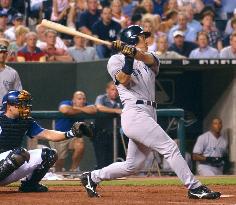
(21, 100)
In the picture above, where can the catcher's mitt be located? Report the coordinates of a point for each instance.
(80, 129)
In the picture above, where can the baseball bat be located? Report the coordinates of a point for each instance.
(67, 30)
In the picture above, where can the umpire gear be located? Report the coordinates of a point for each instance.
(130, 35)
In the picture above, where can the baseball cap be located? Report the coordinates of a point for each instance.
(3, 13)
(178, 33)
(4, 43)
(17, 16)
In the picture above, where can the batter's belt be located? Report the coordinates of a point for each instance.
(147, 102)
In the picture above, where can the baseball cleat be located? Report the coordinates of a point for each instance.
(28, 187)
(89, 185)
(203, 192)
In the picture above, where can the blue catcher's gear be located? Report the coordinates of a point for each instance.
(20, 99)
(130, 35)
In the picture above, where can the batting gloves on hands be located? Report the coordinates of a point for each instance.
(125, 49)
(78, 130)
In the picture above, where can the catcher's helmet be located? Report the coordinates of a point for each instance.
(130, 35)
(21, 99)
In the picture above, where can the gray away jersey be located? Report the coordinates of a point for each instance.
(9, 80)
(142, 85)
(209, 146)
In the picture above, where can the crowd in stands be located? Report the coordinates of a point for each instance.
(180, 28)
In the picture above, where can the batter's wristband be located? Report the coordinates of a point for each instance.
(128, 67)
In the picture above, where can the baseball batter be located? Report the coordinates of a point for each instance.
(17, 162)
(134, 71)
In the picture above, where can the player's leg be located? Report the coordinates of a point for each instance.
(154, 137)
(77, 145)
(42, 161)
(135, 160)
(10, 162)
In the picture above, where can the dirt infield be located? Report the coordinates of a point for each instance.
(113, 195)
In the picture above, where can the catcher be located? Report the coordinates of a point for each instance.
(210, 150)
(15, 161)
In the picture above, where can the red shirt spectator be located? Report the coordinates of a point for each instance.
(30, 52)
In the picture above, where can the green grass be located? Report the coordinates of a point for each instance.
(222, 180)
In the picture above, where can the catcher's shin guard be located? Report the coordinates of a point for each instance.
(13, 161)
(49, 157)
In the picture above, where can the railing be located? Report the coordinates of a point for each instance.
(176, 113)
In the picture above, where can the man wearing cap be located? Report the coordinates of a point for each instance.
(17, 20)
(181, 46)
(9, 78)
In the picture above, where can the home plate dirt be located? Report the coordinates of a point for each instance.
(115, 195)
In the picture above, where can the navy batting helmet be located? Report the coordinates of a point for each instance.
(21, 99)
(130, 35)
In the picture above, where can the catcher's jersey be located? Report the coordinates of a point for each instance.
(209, 146)
(142, 85)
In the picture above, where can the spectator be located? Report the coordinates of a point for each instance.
(80, 52)
(53, 53)
(170, 5)
(103, 140)
(117, 15)
(60, 10)
(162, 46)
(149, 26)
(226, 40)
(229, 51)
(204, 50)
(182, 25)
(76, 9)
(158, 6)
(213, 33)
(128, 7)
(89, 17)
(6, 6)
(31, 52)
(17, 20)
(15, 46)
(9, 78)
(42, 38)
(72, 107)
(169, 21)
(148, 6)
(196, 4)
(189, 11)
(105, 29)
(229, 27)
(3, 20)
(210, 150)
(226, 9)
(181, 46)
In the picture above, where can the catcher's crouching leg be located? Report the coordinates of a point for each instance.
(13, 161)
(49, 157)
